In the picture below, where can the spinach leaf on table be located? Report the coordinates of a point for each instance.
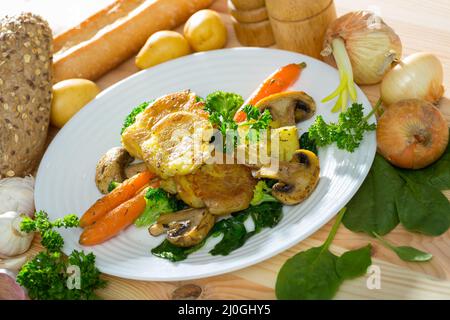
(406, 253)
(423, 208)
(353, 264)
(436, 175)
(317, 273)
(372, 209)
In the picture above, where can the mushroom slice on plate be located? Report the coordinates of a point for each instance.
(111, 167)
(297, 179)
(186, 228)
(288, 108)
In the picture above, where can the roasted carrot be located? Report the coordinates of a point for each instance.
(277, 82)
(114, 221)
(115, 198)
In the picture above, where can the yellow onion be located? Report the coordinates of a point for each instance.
(364, 48)
(418, 76)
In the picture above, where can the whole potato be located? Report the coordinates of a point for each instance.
(160, 47)
(69, 96)
(205, 31)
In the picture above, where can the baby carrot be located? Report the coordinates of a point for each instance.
(277, 82)
(114, 221)
(116, 197)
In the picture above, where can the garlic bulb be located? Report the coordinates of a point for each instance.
(17, 194)
(12, 240)
(371, 44)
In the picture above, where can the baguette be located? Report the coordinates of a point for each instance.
(114, 34)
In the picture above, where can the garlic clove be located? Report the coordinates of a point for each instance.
(12, 240)
(17, 194)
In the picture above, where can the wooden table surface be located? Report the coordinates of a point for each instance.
(422, 26)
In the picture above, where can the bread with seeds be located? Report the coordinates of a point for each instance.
(25, 92)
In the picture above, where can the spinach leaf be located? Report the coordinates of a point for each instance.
(307, 143)
(353, 264)
(436, 175)
(423, 208)
(265, 215)
(234, 236)
(173, 253)
(373, 208)
(309, 275)
(406, 253)
(317, 273)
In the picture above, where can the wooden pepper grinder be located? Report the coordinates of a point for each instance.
(251, 22)
(300, 25)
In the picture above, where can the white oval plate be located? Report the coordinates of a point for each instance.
(65, 180)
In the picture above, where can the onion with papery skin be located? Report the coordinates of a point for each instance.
(364, 48)
(418, 76)
(412, 134)
(9, 288)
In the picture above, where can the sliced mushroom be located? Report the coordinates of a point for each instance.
(297, 179)
(134, 169)
(111, 167)
(288, 108)
(185, 228)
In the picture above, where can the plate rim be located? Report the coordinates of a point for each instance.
(323, 219)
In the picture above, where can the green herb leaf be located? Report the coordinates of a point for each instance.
(348, 132)
(45, 276)
(422, 208)
(353, 264)
(51, 239)
(307, 143)
(406, 253)
(373, 208)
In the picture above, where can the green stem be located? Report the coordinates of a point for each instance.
(383, 241)
(334, 229)
(302, 65)
(374, 110)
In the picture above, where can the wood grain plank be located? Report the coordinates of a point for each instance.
(422, 26)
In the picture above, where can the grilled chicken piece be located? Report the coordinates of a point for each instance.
(171, 136)
(222, 188)
(178, 144)
(140, 131)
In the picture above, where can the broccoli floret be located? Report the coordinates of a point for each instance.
(113, 185)
(158, 202)
(262, 193)
(131, 118)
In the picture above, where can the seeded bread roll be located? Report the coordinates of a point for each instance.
(25, 92)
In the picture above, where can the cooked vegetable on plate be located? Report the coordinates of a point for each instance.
(184, 184)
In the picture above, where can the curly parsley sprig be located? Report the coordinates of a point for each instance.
(46, 276)
(348, 132)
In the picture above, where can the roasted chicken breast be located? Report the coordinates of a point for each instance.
(222, 188)
(171, 135)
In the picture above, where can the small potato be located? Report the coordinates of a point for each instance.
(69, 96)
(205, 31)
(288, 138)
(160, 47)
